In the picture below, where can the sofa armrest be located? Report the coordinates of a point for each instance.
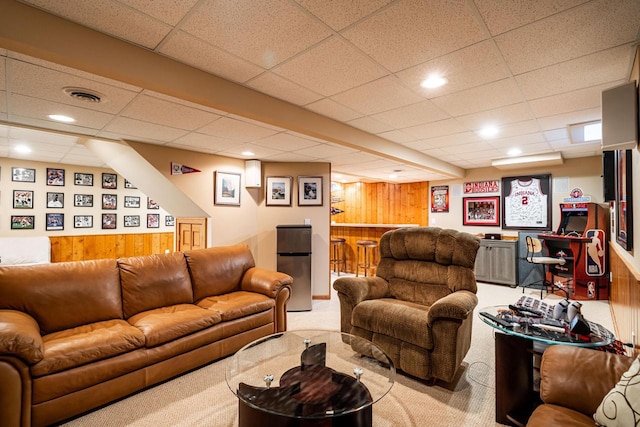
(353, 290)
(579, 378)
(457, 305)
(263, 281)
(20, 336)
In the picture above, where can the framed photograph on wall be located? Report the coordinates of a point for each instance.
(132, 220)
(153, 220)
(85, 179)
(278, 191)
(227, 188)
(83, 221)
(55, 221)
(83, 200)
(22, 199)
(55, 200)
(623, 203)
(169, 221)
(481, 211)
(22, 222)
(55, 177)
(131, 201)
(526, 202)
(128, 184)
(109, 221)
(109, 180)
(109, 201)
(23, 175)
(309, 191)
(152, 204)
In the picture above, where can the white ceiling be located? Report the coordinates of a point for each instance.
(529, 67)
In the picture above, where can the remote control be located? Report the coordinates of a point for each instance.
(525, 311)
(497, 320)
(549, 328)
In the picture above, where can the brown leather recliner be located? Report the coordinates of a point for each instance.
(419, 306)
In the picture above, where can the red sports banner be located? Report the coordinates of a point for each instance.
(492, 186)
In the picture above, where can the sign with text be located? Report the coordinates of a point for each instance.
(492, 186)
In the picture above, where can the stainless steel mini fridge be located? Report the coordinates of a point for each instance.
(294, 259)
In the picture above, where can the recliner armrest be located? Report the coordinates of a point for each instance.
(457, 305)
(579, 378)
(358, 289)
(266, 282)
(20, 336)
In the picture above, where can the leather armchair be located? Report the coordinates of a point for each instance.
(418, 307)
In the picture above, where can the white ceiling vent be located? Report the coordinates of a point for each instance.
(84, 95)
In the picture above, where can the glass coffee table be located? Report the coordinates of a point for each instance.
(309, 377)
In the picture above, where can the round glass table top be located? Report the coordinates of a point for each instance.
(310, 374)
(533, 328)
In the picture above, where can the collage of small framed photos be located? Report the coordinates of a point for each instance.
(25, 199)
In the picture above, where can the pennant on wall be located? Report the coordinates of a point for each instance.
(178, 169)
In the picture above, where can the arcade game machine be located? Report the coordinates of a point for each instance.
(581, 239)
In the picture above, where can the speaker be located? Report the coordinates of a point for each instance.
(620, 117)
(609, 175)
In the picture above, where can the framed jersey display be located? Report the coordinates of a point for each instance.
(526, 202)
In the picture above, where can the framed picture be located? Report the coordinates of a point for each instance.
(481, 210)
(83, 221)
(128, 184)
(55, 221)
(279, 190)
(19, 222)
(309, 191)
(526, 202)
(440, 198)
(55, 177)
(227, 188)
(22, 199)
(23, 175)
(169, 221)
(109, 201)
(85, 179)
(83, 200)
(153, 220)
(55, 200)
(109, 180)
(623, 203)
(131, 201)
(109, 221)
(151, 204)
(132, 220)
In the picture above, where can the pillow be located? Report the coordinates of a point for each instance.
(621, 406)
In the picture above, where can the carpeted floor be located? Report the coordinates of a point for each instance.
(202, 398)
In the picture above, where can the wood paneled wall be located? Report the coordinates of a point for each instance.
(100, 246)
(624, 298)
(382, 203)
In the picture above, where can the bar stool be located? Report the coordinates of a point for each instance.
(338, 256)
(368, 263)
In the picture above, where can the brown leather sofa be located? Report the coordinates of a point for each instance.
(573, 382)
(78, 335)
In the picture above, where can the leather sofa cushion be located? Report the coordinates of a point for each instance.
(237, 304)
(403, 320)
(56, 295)
(165, 324)
(554, 415)
(218, 270)
(154, 281)
(86, 344)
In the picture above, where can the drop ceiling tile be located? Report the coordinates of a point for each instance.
(489, 96)
(237, 130)
(285, 142)
(380, 95)
(195, 52)
(3, 84)
(599, 68)
(110, 17)
(3, 102)
(49, 124)
(563, 120)
(517, 129)
(370, 125)
(410, 32)
(330, 108)
(432, 130)
(38, 109)
(145, 130)
(504, 15)
(281, 88)
(196, 141)
(40, 82)
(572, 101)
(26, 134)
(411, 115)
(167, 11)
(160, 111)
(556, 134)
(569, 34)
(497, 117)
(265, 32)
(292, 157)
(260, 151)
(469, 67)
(446, 140)
(484, 151)
(338, 15)
(330, 67)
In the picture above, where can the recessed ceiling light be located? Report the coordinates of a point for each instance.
(393, 176)
(489, 131)
(248, 153)
(61, 118)
(434, 81)
(22, 149)
(514, 152)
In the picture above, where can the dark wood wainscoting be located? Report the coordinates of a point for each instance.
(624, 297)
(100, 246)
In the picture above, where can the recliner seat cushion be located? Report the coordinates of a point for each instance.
(556, 415)
(86, 344)
(165, 324)
(395, 318)
(237, 304)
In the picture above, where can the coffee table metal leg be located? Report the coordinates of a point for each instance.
(251, 417)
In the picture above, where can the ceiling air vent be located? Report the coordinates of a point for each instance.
(84, 95)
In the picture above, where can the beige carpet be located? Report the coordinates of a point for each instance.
(202, 398)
